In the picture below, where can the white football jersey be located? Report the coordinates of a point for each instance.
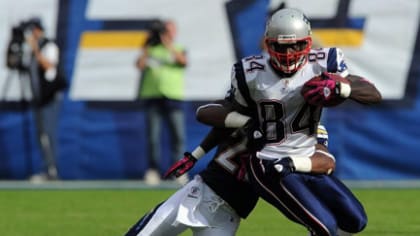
(288, 121)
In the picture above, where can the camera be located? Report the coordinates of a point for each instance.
(156, 29)
(15, 50)
(15, 47)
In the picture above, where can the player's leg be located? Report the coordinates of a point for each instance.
(294, 199)
(224, 226)
(159, 221)
(222, 219)
(347, 209)
(194, 206)
(225, 231)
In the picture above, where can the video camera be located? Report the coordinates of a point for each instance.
(15, 50)
(156, 29)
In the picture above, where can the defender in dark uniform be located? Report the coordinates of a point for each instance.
(218, 197)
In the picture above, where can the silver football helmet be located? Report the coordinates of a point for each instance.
(288, 39)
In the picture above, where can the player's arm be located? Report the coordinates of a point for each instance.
(224, 116)
(359, 89)
(233, 111)
(330, 89)
(212, 139)
(321, 161)
(363, 91)
(336, 84)
(220, 115)
(214, 114)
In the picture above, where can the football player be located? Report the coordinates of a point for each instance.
(213, 203)
(267, 94)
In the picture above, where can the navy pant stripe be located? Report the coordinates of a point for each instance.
(142, 222)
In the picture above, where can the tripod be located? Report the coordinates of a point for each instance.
(22, 106)
(26, 84)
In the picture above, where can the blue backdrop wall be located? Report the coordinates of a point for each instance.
(106, 140)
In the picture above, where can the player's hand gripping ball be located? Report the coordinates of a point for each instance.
(326, 90)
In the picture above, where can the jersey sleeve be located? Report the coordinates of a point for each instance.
(336, 63)
(234, 93)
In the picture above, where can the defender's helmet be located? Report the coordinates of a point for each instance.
(288, 39)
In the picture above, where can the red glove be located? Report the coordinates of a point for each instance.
(181, 166)
(323, 90)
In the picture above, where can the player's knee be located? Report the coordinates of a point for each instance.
(356, 223)
(359, 225)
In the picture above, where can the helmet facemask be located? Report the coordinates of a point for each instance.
(288, 56)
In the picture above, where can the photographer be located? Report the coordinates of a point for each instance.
(46, 85)
(162, 64)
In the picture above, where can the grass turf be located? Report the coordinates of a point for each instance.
(111, 212)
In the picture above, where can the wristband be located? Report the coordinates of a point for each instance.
(198, 152)
(302, 164)
(235, 120)
(345, 90)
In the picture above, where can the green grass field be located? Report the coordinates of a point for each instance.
(110, 212)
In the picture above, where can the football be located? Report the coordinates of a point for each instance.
(324, 96)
